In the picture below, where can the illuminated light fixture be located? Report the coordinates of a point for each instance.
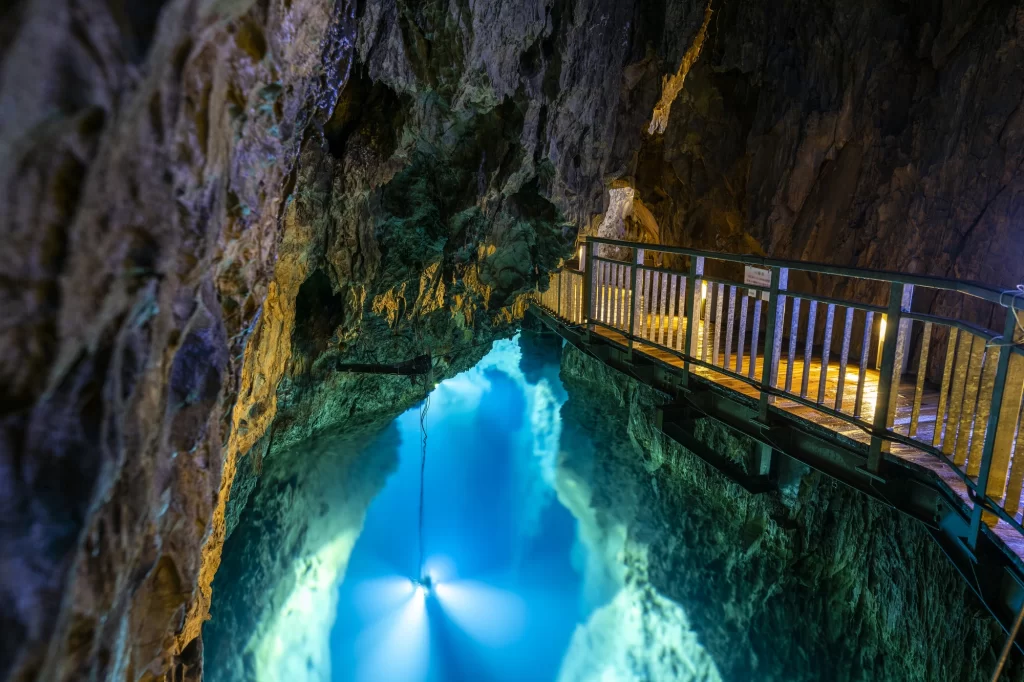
(425, 585)
(881, 342)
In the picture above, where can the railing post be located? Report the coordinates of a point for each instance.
(558, 289)
(587, 266)
(761, 463)
(693, 316)
(773, 338)
(998, 390)
(900, 298)
(634, 308)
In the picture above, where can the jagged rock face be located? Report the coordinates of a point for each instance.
(880, 134)
(145, 157)
(208, 206)
(275, 595)
(812, 582)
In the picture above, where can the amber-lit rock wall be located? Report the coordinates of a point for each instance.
(209, 207)
(146, 152)
(879, 134)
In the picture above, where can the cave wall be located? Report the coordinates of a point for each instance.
(813, 581)
(144, 165)
(882, 134)
(275, 594)
(209, 206)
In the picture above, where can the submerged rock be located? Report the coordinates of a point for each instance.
(814, 581)
(211, 207)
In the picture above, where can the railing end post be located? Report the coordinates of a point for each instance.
(634, 300)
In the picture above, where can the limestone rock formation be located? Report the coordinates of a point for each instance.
(210, 207)
(880, 134)
(146, 157)
(811, 582)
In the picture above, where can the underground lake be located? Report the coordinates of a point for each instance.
(564, 538)
(500, 554)
(525, 571)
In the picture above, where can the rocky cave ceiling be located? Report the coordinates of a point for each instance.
(207, 205)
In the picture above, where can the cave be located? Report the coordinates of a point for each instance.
(575, 340)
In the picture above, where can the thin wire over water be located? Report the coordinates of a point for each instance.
(424, 408)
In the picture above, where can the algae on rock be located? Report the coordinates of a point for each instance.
(814, 581)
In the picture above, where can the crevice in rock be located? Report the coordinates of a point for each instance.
(369, 110)
(318, 311)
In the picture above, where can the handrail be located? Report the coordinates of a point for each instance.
(821, 353)
(977, 289)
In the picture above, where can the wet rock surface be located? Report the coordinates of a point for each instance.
(275, 595)
(877, 134)
(144, 165)
(210, 207)
(811, 582)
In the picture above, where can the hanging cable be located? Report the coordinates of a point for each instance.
(423, 578)
(424, 409)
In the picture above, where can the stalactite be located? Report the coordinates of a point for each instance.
(671, 86)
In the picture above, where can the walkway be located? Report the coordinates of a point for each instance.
(952, 390)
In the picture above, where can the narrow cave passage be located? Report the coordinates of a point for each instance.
(529, 541)
(236, 234)
(506, 582)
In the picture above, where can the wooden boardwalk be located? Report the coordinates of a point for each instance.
(929, 405)
(827, 358)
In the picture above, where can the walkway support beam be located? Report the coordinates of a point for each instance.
(762, 454)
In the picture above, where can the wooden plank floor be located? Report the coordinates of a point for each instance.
(904, 407)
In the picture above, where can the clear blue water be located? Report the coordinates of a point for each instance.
(498, 545)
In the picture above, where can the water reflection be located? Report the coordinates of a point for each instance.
(506, 597)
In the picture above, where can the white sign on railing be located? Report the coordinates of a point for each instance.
(760, 277)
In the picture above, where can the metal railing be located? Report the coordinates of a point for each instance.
(944, 386)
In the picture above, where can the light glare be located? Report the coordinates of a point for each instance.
(491, 616)
(397, 647)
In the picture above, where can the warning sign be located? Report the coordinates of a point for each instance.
(760, 277)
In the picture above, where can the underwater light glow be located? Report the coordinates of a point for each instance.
(381, 596)
(397, 646)
(487, 614)
(497, 596)
(440, 568)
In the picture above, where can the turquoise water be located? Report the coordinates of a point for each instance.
(500, 548)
